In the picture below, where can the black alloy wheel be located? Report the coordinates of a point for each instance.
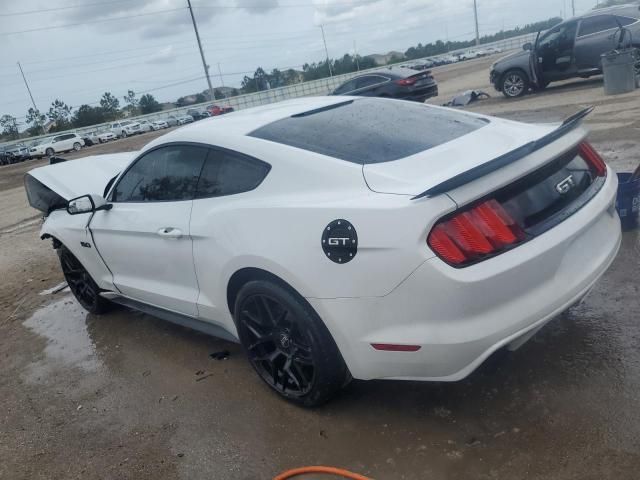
(287, 344)
(514, 84)
(83, 287)
(277, 348)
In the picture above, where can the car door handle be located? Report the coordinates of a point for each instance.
(170, 232)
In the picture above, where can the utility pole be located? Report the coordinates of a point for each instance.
(355, 54)
(204, 62)
(475, 14)
(33, 102)
(326, 51)
(221, 80)
(27, 85)
(573, 7)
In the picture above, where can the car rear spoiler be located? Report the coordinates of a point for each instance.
(514, 155)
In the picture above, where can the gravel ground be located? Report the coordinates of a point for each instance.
(125, 395)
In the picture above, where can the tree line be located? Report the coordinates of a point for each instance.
(62, 117)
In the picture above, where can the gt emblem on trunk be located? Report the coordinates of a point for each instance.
(565, 185)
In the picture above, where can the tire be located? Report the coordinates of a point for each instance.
(83, 287)
(515, 83)
(100, 140)
(77, 147)
(123, 135)
(49, 152)
(287, 344)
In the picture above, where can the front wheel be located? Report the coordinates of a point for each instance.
(514, 84)
(83, 287)
(77, 146)
(287, 344)
(124, 134)
(49, 152)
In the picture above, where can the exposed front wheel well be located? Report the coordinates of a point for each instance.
(245, 275)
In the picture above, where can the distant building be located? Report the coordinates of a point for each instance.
(383, 59)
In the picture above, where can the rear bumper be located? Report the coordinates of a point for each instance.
(460, 316)
(423, 93)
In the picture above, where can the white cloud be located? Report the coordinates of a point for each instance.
(165, 55)
(258, 6)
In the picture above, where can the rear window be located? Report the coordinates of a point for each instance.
(369, 131)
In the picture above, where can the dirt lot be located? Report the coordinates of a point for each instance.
(123, 395)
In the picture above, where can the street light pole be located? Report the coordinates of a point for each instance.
(204, 62)
(475, 14)
(573, 7)
(326, 51)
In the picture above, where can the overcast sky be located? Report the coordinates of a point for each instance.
(149, 45)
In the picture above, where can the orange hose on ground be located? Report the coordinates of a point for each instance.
(319, 469)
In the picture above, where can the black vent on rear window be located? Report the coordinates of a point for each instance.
(370, 130)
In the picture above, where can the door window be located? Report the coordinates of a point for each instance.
(165, 174)
(369, 80)
(597, 23)
(624, 21)
(227, 173)
(559, 38)
(345, 88)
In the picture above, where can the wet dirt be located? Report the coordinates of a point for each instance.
(127, 396)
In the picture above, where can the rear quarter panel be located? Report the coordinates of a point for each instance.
(278, 228)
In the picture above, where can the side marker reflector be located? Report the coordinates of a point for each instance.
(392, 347)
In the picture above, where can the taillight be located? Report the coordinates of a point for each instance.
(593, 158)
(405, 82)
(471, 235)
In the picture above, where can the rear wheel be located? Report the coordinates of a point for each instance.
(123, 134)
(514, 84)
(287, 344)
(83, 287)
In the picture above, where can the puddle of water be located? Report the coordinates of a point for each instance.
(63, 325)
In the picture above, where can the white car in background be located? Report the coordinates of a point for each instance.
(184, 119)
(125, 128)
(159, 124)
(145, 126)
(106, 136)
(57, 144)
(341, 237)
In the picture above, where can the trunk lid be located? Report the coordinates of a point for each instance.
(414, 174)
(50, 186)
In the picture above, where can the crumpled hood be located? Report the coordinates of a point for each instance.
(73, 178)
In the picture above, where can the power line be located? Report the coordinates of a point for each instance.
(68, 7)
(104, 20)
(221, 7)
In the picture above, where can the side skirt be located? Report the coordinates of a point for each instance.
(173, 317)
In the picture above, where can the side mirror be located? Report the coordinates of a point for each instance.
(87, 204)
(527, 46)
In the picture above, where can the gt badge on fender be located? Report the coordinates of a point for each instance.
(340, 241)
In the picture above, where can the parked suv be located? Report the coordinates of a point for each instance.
(58, 144)
(570, 49)
(125, 128)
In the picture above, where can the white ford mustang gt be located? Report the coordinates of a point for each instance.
(341, 237)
